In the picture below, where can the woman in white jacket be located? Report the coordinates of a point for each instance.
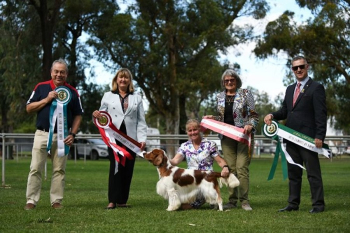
(126, 109)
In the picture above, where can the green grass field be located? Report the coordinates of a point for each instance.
(86, 197)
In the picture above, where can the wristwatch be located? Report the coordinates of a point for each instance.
(225, 166)
(73, 134)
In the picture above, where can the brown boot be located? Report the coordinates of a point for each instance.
(29, 206)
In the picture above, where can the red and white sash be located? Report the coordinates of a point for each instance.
(226, 130)
(110, 133)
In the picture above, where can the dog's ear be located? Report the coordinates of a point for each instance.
(157, 151)
(158, 159)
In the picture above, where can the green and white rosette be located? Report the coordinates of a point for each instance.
(58, 113)
(279, 132)
(270, 131)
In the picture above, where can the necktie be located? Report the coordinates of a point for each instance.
(296, 93)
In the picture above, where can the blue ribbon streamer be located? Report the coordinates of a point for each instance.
(53, 119)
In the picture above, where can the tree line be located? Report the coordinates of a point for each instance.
(172, 48)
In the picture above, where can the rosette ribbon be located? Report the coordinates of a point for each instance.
(58, 114)
(279, 132)
(226, 130)
(110, 133)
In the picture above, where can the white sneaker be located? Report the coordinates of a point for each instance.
(246, 207)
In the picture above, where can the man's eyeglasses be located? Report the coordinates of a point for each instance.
(229, 80)
(295, 68)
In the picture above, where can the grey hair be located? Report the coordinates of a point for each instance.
(231, 73)
(299, 58)
(61, 61)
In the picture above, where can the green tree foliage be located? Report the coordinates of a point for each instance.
(34, 33)
(91, 94)
(172, 48)
(76, 18)
(19, 62)
(324, 41)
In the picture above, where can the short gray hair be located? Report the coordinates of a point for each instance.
(61, 61)
(299, 58)
(231, 73)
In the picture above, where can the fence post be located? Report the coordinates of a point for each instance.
(3, 160)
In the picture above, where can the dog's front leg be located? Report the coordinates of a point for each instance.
(220, 206)
(174, 201)
(219, 200)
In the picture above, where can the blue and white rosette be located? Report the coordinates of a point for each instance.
(58, 113)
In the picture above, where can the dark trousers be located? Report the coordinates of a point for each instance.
(311, 162)
(119, 183)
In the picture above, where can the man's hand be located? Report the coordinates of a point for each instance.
(268, 119)
(69, 140)
(318, 143)
(52, 95)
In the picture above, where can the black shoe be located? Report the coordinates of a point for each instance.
(229, 205)
(288, 209)
(316, 210)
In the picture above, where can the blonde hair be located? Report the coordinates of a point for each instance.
(123, 72)
(192, 122)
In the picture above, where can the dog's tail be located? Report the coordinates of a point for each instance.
(230, 181)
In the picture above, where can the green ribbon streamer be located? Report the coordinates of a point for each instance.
(276, 158)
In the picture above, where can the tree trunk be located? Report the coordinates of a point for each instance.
(172, 128)
(48, 18)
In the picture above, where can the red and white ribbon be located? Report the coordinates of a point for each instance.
(226, 130)
(110, 133)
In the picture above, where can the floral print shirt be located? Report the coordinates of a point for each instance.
(243, 109)
(201, 159)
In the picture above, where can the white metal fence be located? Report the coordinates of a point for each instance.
(15, 145)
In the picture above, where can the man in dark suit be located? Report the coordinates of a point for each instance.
(304, 107)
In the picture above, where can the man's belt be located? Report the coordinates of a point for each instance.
(42, 129)
(45, 130)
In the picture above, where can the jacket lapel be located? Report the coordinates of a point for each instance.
(237, 98)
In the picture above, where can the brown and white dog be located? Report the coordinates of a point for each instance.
(179, 185)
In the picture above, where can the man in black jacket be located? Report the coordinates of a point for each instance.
(304, 107)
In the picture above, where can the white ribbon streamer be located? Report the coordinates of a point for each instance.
(302, 142)
(127, 143)
(60, 129)
(288, 157)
